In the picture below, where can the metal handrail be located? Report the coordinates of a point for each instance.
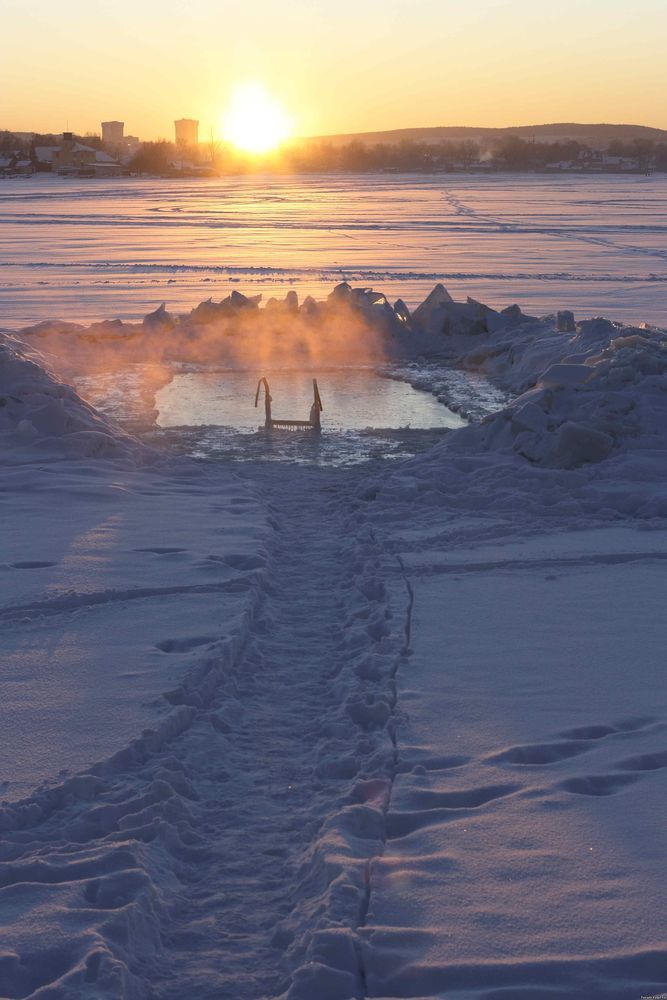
(313, 423)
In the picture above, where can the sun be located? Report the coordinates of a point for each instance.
(254, 121)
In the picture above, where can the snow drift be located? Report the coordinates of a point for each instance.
(38, 413)
(605, 391)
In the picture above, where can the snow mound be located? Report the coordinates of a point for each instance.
(39, 413)
(582, 412)
(585, 391)
(584, 440)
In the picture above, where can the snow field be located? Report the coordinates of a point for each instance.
(114, 586)
(401, 735)
(226, 850)
(524, 851)
(592, 244)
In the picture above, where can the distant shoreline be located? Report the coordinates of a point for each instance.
(472, 172)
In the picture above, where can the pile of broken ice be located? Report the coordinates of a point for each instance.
(584, 390)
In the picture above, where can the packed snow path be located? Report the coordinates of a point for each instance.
(260, 804)
(233, 861)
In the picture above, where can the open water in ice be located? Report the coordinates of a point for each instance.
(211, 413)
(352, 400)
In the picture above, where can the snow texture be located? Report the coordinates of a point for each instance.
(592, 244)
(279, 730)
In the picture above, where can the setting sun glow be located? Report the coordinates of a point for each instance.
(254, 121)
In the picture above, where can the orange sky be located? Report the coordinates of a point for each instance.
(337, 67)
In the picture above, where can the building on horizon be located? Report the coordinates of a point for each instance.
(128, 148)
(187, 132)
(112, 133)
(76, 159)
(14, 163)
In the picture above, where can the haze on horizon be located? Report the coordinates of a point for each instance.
(338, 68)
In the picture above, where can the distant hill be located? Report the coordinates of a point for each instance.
(589, 135)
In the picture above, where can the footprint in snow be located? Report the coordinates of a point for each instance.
(426, 764)
(33, 564)
(598, 784)
(540, 753)
(645, 762)
(241, 561)
(598, 732)
(162, 550)
(590, 732)
(577, 741)
(432, 808)
(185, 644)
(468, 798)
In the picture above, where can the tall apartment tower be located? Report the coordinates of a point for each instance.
(187, 132)
(112, 133)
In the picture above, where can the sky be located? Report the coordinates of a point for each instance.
(343, 66)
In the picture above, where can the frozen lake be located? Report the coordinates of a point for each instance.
(90, 249)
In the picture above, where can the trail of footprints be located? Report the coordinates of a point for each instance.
(583, 740)
(422, 807)
(193, 863)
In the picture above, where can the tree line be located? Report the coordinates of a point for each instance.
(511, 152)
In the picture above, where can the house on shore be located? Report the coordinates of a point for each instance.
(595, 159)
(73, 158)
(15, 164)
(42, 158)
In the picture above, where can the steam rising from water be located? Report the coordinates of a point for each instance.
(352, 328)
(348, 328)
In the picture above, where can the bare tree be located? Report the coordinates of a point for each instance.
(213, 148)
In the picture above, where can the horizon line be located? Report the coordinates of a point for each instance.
(389, 131)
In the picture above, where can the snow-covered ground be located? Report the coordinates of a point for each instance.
(322, 730)
(524, 852)
(113, 583)
(524, 847)
(86, 249)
